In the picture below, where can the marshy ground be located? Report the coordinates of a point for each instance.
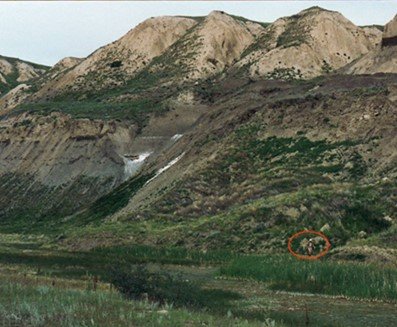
(47, 287)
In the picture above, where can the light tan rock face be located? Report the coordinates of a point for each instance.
(2, 79)
(311, 43)
(19, 94)
(6, 68)
(13, 98)
(135, 50)
(14, 71)
(67, 62)
(62, 65)
(111, 65)
(382, 59)
(204, 48)
(219, 42)
(27, 72)
(209, 48)
(56, 149)
(390, 29)
(221, 39)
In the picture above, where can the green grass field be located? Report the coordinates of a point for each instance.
(286, 273)
(41, 286)
(29, 303)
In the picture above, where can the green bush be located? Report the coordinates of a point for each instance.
(138, 283)
(161, 287)
(139, 253)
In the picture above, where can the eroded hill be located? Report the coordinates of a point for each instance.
(206, 132)
(266, 159)
(168, 51)
(311, 43)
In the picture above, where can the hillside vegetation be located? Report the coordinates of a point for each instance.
(157, 181)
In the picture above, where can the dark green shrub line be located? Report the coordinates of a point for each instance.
(96, 262)
(174, 255)
(138, 283)
(136, 110)
(379, 27)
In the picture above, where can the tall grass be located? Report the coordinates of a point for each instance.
(286, 273)
(26, 305)
(165, 255)
(97, 261)
(163, 287)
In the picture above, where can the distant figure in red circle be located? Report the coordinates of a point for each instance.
(306, 249)
(310, 247)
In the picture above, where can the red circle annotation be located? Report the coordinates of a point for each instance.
(309, 257)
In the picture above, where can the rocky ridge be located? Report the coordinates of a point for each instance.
(112, 64)
(173, 50)
(313, 42)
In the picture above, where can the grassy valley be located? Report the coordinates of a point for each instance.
(158, 183)
(41, 286)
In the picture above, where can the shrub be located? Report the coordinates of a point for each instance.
(138, 283)
(162, 287)
(326, 67)
(116, 64)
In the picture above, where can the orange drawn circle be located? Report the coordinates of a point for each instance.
(309, 257)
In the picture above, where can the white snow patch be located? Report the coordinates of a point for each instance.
(167, 166)
(171, 163)
(131, 167)
(176, 137)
